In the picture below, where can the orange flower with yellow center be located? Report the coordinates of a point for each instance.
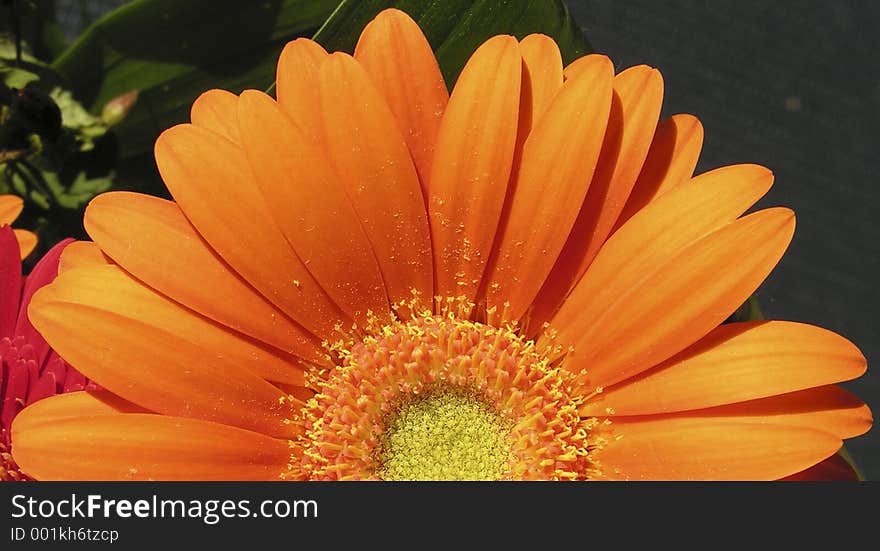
(368, 279)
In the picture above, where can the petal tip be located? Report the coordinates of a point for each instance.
(168, 136)
(249, 96)
(299, 42)
(393, 14)
(538, 38)
(502, 41)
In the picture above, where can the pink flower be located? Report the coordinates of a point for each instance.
(29, 369)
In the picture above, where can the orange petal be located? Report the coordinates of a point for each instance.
(541, 80)
(671, 161)
(152, 239)
(678, 302)
(300, 393)
(140, 446)
(154, 367)
(10, 207)
(558, 159)
(374, 165)
(828, 408)
(398, 58)
(574, 68)
(296, 84)
(655, 236)
(472, 165)
(640, 90)
(311, 208)
(216, 110)
(111, 290)
(26, 242)
(212, 181)
(734, 363)
(714, 199)
(80, 254)
(82, 404)
(542, 62)
(711, 449)
(638, 95)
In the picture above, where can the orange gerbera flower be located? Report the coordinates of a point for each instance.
(10, 207)
(366, 279)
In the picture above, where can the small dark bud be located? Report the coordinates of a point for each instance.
(36, 112)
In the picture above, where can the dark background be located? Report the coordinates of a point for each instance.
(794, 86)
(791, 85)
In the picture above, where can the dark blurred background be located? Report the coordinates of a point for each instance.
(794, 86)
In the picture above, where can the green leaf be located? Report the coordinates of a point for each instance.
(76, 194)
(750, 310)
(17, 73)
(15, 77)
(847, 456)
(172, 51)
(74, 117)
(455, 28)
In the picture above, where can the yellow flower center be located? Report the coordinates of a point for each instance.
(442, 397)
(448, 434)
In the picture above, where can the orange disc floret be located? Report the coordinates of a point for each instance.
(499, 408)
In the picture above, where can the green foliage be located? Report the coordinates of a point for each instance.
(172, 51)
(455, 28)
(38, 27)
(53, 152)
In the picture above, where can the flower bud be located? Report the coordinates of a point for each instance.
(117, 108)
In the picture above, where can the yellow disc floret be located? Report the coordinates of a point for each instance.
(445, 435)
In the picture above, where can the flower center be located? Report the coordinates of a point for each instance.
(449, 434)
(442, 397)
